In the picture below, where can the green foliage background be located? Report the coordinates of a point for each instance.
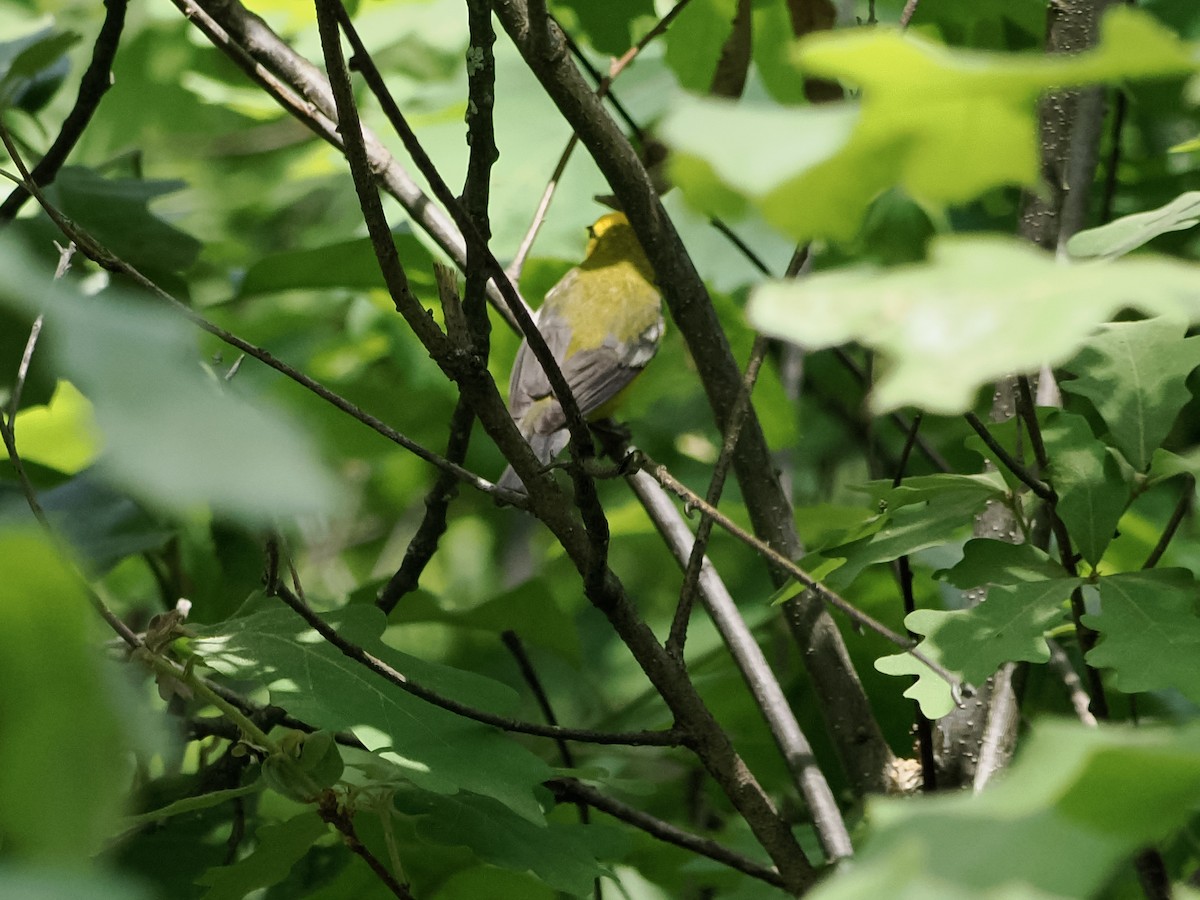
(162, 461)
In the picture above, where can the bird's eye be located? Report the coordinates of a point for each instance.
(591, 232)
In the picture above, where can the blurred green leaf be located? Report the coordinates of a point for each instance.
(346, 264)
(944, 125)
(279, 848)
(174, 437)
(116, 211)
(1120, 236)
(1135, 374)
(66, 884)
(1150, 627)
(695, 39)
(33, 67)
(981, 307)
(438, 750)
(1077, 803)
(711, 141)
(65, 771)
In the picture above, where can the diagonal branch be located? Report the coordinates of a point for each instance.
(541, 44)
(572, 790)
(669, 738)
(94, 84)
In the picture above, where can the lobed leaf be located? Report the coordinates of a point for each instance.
(1150, 627)
(980, 307)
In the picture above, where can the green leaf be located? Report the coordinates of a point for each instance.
(1008, 626)
(33, 67)
(943, 125)
(1092, 492)
(116, 211)
(65, 884)
(61, 434)
(529, 609)
(992, 562)
(103, 526)
(609, 26)
(1120, 236)
(173, 436)
(566, 857)
(1151, 631)
(438, 750)
(65, 771)
(279, 848)
(935, 511)
(930, 690)
(694, 41)
(942, 488)
(346, 264)
(711, 139)
(980, 307)
(1094, 796)
(1135, 374)
(190, 804)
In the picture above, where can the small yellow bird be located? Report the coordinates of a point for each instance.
(603, 322)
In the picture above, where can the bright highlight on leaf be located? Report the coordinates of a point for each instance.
(1127, 233)
(944, 125)
(1076, 804)
(979, 307)
(446, 752)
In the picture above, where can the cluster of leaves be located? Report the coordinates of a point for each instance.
(269, 759)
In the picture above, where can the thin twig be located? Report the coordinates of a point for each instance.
(1177, 516)
(8, 426)
(603, 87)
(910, 9)
(333, 813)
(695, 501)
(687, 592)
(99, 254)
(331, 11)
(1060, 664)
(305, 94)
(96, 80)
(756, 672)
(1039, 488)
(1113, 163)
(669, 738)
(576, 791)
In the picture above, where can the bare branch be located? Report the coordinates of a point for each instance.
(96, 80)
(576, 791)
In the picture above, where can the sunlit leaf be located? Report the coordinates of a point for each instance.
(1120, 236)
(981, 307)
(65, 769)
(438, 750)
(1093, 795)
